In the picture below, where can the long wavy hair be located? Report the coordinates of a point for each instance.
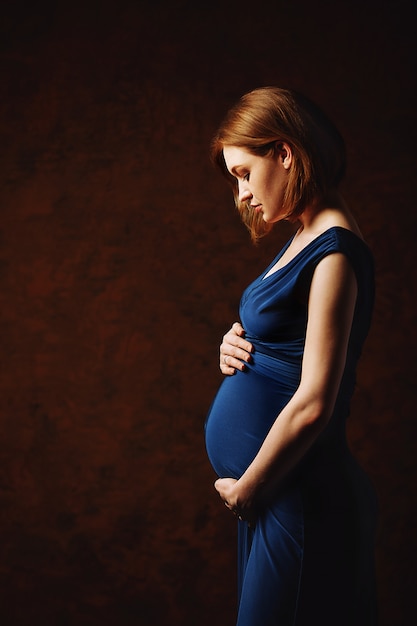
(269, 115)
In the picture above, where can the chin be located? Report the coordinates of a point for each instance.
(270, 221)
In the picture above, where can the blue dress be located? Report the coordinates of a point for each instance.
(309, 559)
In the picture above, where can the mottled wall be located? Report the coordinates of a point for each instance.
(122, 262)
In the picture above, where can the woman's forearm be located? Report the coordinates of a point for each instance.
(292, 434)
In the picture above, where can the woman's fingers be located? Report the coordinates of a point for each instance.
(228, 364)
(225, 489)
(235, 351)
(238, 329)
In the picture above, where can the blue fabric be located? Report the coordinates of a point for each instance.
(309, 558)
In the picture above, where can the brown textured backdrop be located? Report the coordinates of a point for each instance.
(122, 261)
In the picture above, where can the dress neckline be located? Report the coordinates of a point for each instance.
(269, 274)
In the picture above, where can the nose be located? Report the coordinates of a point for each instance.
(243, 191)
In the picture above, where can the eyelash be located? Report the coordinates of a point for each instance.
(246, 177)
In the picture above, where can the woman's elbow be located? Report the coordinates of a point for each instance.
(317, 413)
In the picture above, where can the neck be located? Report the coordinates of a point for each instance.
(332, 211)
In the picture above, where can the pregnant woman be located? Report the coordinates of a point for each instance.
(275, 433)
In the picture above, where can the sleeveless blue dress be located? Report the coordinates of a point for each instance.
(310, 557)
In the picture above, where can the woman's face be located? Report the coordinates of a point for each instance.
(261, 180)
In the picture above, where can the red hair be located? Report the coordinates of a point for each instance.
(269, 115)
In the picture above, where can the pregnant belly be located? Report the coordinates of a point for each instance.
(239, 419)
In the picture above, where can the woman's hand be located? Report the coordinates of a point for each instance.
(239, 505)
(235, 351)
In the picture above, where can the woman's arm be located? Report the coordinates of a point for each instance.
(330, 313)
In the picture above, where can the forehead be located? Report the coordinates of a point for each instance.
(235, 157)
